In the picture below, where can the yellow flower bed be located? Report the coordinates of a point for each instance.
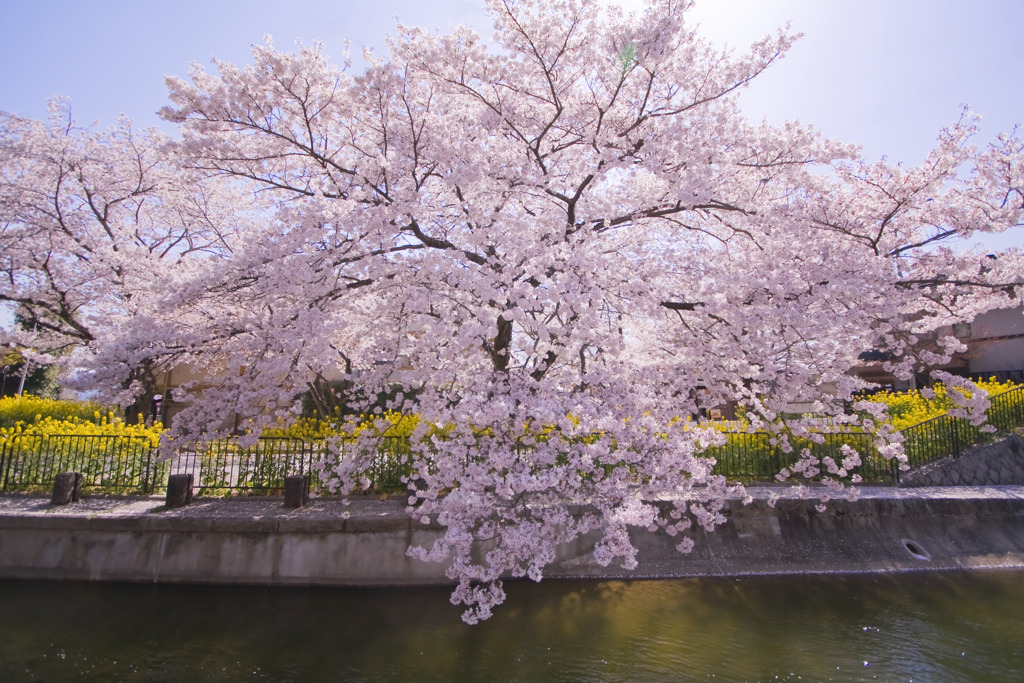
(28, 409)
(311, 429)
(43, 437)
(908, 408)
(33, 416)
(56, 426)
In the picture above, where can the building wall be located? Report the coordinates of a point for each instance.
(997, 342)
(995, 346)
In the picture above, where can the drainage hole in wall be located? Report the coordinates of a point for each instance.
(916, 550)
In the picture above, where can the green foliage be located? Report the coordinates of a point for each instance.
(627, 59)
(43, 381)
(9, 357)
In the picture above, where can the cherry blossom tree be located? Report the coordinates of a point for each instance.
(553, 250)
(94, 224)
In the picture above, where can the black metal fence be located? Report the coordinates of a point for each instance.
(946, 436)
(30, 461)
(756, 457)
(224, 465)
(124, 464)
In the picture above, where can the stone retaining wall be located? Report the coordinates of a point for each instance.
(868, 535)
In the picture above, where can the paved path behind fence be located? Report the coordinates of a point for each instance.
(393, 507)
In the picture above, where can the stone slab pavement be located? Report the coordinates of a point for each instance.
(376, 507)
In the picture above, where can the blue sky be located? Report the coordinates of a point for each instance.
(886, 74)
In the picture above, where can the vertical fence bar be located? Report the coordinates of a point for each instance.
(148, 476)
(955, 430)
(5, 454)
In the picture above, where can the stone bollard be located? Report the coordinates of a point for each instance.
(64, 488)
(179, 490)
(295, 491)
(76, 490)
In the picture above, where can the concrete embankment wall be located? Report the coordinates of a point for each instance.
(257, 550)
(266, 545)
(872, 535)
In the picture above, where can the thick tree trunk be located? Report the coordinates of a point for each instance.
(330, 398)
(501, 350)
(141, 410)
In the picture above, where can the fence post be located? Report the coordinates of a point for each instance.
(147, 483)
(956, 438)
(307, 466)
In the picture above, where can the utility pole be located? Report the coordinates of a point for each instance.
(24, 367)
(24, 374)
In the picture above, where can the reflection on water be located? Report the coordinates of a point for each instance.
(906, 627)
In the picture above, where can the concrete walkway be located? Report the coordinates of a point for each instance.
(374, 507)
(255, 507)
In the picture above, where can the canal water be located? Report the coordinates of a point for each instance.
(925, 627)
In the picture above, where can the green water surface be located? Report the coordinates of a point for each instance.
(902, 627)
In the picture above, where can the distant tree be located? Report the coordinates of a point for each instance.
(39, 380)
(43, 381)
(10, 367)
(27, 376)
(94, 225)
